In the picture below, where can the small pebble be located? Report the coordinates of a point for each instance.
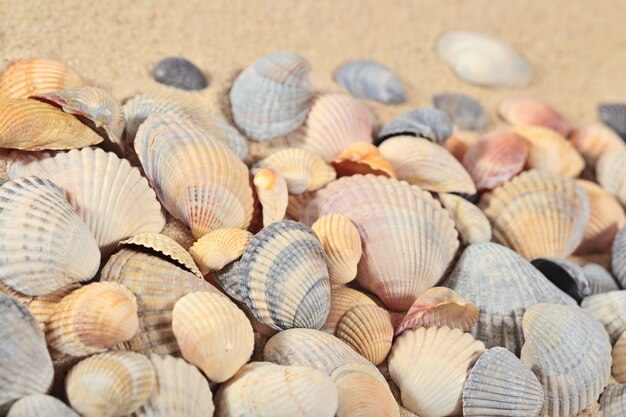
(179, 73)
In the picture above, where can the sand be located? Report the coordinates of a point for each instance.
(576, 48)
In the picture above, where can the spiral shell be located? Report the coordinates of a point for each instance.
(342, 245)
(371, 80)
(271, 189)
(525, 110)
(470, 222)
(41, 406)
(431, 124)
(180, 73)
(465, 112)
(26, 77)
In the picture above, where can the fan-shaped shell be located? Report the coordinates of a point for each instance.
(180, 73)
(618, 256)
(566, 275)
(599, 279)
(614, 116)
(371, 80)
(610, 310)
(610, 172)
(362, 158)
(431, 124)
(342, 300)
(219, 247)
(41, 406)
(368, 330)
(618, 368)
(594, 140)
(526, 110)
(342, 246)
(229, 279)
(26, 77)
(465, 112)
(470, 222)
(42, 307)
(613, 401)
(271, 189)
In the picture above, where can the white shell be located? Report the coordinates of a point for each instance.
(369, 79)
(613, 401)
(610, 310)
(39, 405)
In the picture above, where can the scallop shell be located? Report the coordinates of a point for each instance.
(271, 189)
(273, 96)
(408, 239)
(197, 190)
(610, 172)
(465, 112)
(42, 307)
(501, 385)
(525, 110)
(483, 60)
(37, 76)
(111, 197)
(419, 162)
(618, 354)
(219, 247)
(613, 401)
(569, 353)
(614, 116)
(41, 406)
(600, 280)
(566, 275)
(610, 310)
(342, 300)
(430, 366)
(431, 124)
(180, 73)
(538, 214)
(503, 285)
(368, 330)
(470, 222)
(111, 384)
(265, 389)
(618, 256)
(594, 140)
(371, 80)
(362, 158)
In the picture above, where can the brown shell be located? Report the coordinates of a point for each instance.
(37, 76)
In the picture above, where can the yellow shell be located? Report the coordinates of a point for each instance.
(271, 189)
(218, 248)
(362, 158)
(342, 245)
(368, 330)
(469, 221)
(342, 299)
(37, 76)
(594, 140)
(42, 307)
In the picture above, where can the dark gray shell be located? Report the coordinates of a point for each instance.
(614, 116)
(229, 278)
(431, 124)
(600, 280)
(371, 80)
(465, 112)
(566, 275)
(613, 401)
(179, 73)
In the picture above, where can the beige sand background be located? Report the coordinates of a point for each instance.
(578, 48)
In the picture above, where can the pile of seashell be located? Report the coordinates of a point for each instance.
(429, 262)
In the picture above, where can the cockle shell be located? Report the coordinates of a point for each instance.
(271, 189)
(342, 246)
(8, 291)
(111, 384)
(180, 73)
(40, 405)
(273, 96)
(45, 245)
(566, 275)
(229, 279)
(37, 76)
(594, 140)
(610, 172)
(614, 116)
(111, 197)
(371, 80)
(42, 307)
(219, 247)
(526, 110)
(470, 222)
(262, 389)
(481, 59)
(430, 366)
(610, 310)
(599, 279)
(465, 112)
(618, 257)
(431, 124)
(368, 330)
(198, 180)
(538, 214)
(501, 385)
(618, 354)
(342, 300)
(459, 143)
(362, 158)
(613, 401)
(569, 353)
(419, 162)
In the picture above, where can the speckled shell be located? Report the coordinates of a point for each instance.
(371, 80)
(614, 116)
(501, 385)
(285, 280)
(618, 256)
(611, 172)
(342, 245)
(219, 247)
(419, 162)
(36, 76)
(273, 96)
(618, 354)
(431, 124)
(342, 300)
(368, 330)
(111, 384)
(613, 401)
(483, 60)
(470, 222)
(526, 110)
(503, 285)
(198, 180)
(594, 140)
(538, 214)
(180, 73)
(40, 405)
(569, 353)
(610, 310)
(111, 197)
(408, 239)
(465, 112)
(430, 366)
(25, 364)
(266, 389)
(599, 279)
(42, 307)
(362, 158)
(272, 192)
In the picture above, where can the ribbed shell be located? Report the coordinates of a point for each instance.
(618, 368)
(465, 112)
(610, 310)
(610, 173)
(180, 73)
(599, 279)
(431, 124)
(470, 222)
(594, 140)
(342, 300)
(42, 307)
(36, 76)
(272, 192)
(368, 330)
(342, 246)
(39, 405)
(566, 275)
(526, 110)
(218, 248)
(618, 256)
(371, 80)
(613, 401)
(614, 116)
(362, 158)
(569, 353)
(229, 279)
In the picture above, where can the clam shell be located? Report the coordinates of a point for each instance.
(470, 222)
(618, 368)
(566, 275)
(180, 73)
(600, 280)
(371, 80)
(110, 384)
(613, 401)
(481, 59)
(229, 279)
(37, 76)
(431, 124)
(430, 366)
(342, 300)
(459, 143)
(614, 116)
(219, 247)
(341, 243)
(10, 292)
(569, 353)
(538, 214)
(368, 330)
(40, 405)
(362, 158)
(610, 310)
(42, 307)
(618, 257)
(271, 189)
(525, 110)
(594, 140)
(610, 172)
(45, 245)
(273, 96)
(465, 112)
(501, 385)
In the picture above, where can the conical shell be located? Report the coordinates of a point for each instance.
(218, 248)
(408, 239)
(262, 389)
(569, 353)
(614, 116)
(431, 124)
(368, 330)
(610, 172)
(42, 307)
(525, 110)
(342, 300)
(45, 245)
(111, 197)
(37, 76)
(465, 112)
(342, 245)
(566, 275)
(271, 189)
(538, 214)
(430, 366)
(610, 310)
(594, 140)
(599, 279)
(501, 385)
(285, 280)
(613, 401)
(213, 334)
(362, 158)
(618, 257)
(470, 222)
(110, 384)
(40, 405)
(618, 368)
(371, 80)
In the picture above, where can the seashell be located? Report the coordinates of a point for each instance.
(265, 389)
(111, 197)
(41, 406)
(610, 171)
(538, 214)
(569, 353)
(368, 330)
(483, 60)
(600, 280)
(614, 116)
(362, 158)
(470, 222)
(157, 284)
(465, 112)
(419, 162)
(10, 292)
(566, 275)
(271, 189)
(610, 310)
(342, 300)
(33, 126)
(220, 247)
(199, 194)
(501, 385)
(369, 79)
(110, 384)
(342, 246)
(525, 110)
(503, 285)
(396, 266)
(594, 140)
(45, 245)
(550, 151)
(284, 278)
(618, 260)
(613, 401)
(618, 368)
(294, 205)
(229, 279)
(213, 334)
(335, 122)
(25, 364)
(430, 366)
(273, 96)
(180, 73)
(92, 319)
(431, 124)
(27, 77)
(301, 169)
(42, 307)
(439, 306)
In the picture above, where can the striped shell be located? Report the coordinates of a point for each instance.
(180, 73)
(431, 124)
(525, 110)
(342, 300)
(613, 401)
(368, 330)
(594, 140)
(218, 248)
(271, 190)
(362, 158)
(618, 257)
(610, 310)
(610, 173)
(465, 112)
(470, 222)
(41, 406)
(614, 116)
(342, 246)
(618, 367)
(229, 279)
(371, 80)
(26, 77)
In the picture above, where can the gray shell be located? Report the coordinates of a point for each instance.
(613, 401)
(610, 310)
(229, 279)
(465, 112)
(566, 275)
(431, 124)
(618, 256)
(370, 80)
(614, 116)
(179, 73)
(600, 280)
